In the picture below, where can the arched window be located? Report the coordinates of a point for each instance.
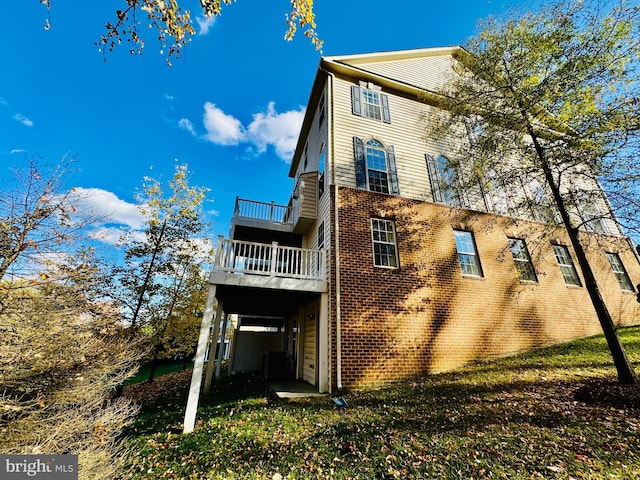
(377, 174)
(375, 166)
(444, 183)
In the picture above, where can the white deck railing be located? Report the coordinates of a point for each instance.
(236, 256)
(269, 212)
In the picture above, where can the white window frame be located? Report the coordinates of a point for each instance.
(371, 103)
(567, 268)
(322, 111)
(321, 235)
(384, 239)
(367, 100)
(620, 272)
(467, 250)
(322, 158)
(375, 146)
(444, 182)
(522, 259)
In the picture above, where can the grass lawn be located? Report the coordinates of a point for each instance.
(510, 418)
(163, 368)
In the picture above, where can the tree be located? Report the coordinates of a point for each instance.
(557, 90)
(160, 286)
(63, 352)
(174, 27)
(36, 218)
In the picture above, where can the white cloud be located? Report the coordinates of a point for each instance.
(23, 120)
(279, 130)
(17, 150)
(204, 24)
(187, 125)
(171, 98)
(109, 235)
(222, 129)
(113, 235)
(103, 202)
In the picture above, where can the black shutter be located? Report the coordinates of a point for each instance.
(393, 171)
(434, 178)
(386, 114)
(361, 169)
(355, 101)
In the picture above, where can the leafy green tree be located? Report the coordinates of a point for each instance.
(173, 24)
(63, 350)
(160, 286)
(553, 96)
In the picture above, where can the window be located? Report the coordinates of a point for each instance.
(321, 236)
(321, 171)
(467, 253)
(522, 260)
(539, 202)
(321, 114)
(566, 265)
(369, 102)
(499, 195)
(306, 157)
(443, 181)
(384, 243)
(591, 215)
(620, 272)
(375, 167)
(377, 177)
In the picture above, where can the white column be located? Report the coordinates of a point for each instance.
(212, 349)
(198, 365)
(221, 352)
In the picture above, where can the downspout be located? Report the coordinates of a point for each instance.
(330, 77)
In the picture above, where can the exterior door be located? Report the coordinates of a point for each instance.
(310, 353)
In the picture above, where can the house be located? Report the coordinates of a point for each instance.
(377, 268)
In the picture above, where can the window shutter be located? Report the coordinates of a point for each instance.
(355, 100)
(393, 171)
(433, 177)
(386, 114)
(358, 151)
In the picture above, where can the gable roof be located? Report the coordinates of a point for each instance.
(418, 72)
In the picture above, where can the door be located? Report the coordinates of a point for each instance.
(310, 346)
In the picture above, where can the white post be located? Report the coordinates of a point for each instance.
(219, 261)
(274, 258)
(221, 352)
(196, 376)
(212, 349)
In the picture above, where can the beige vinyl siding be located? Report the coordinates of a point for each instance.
(427, 72)
(407, 133)
(308, 194)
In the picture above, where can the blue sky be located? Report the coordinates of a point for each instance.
(230, 108)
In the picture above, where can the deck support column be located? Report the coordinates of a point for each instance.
(198, 364)
(213, 342)
(221, 352)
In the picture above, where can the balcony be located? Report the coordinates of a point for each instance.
(263, 215)
(261, 265)
(296, 217)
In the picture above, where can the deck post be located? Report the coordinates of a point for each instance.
(274, 257)
(198, 364)
(221, 352)
(212, 349)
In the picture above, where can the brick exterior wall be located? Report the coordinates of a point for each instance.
(426, 317)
